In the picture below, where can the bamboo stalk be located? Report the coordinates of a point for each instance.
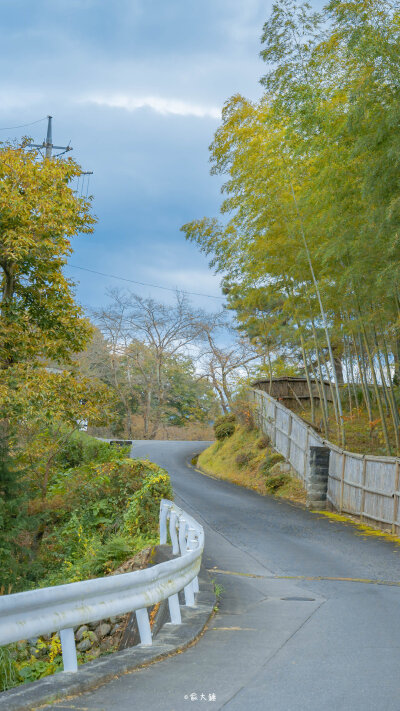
(377, 393)
(324, 402)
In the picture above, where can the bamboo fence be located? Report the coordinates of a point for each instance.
(364, 485)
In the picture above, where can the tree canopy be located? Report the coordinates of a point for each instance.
(308, 240)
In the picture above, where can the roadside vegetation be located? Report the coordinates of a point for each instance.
(71, 507)
(242, 455)
(101, 509)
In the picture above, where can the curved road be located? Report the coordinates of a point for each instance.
(278, 642)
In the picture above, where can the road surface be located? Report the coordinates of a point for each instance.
(279, 642)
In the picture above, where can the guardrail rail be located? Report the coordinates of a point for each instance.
(63, 607)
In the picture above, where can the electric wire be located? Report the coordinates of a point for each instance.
(22, 125)
(142, 283)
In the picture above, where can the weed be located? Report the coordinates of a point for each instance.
(243, 458)
(8, 670)
(274, 482)
(218, 589)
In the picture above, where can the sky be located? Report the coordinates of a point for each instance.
(137, 87)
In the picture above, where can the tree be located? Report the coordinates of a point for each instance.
(39, 215)
(39, 319)
(146, 341)
(312, 200)
(223, 365)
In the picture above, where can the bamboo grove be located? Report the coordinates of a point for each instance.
(308, 241)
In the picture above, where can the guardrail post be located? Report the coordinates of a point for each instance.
(174, 609)
(163, 523)
(173, 534)
(182, 536)
(193, 586)
(192, 545)
(68, 650)
(143, 622)
(189, 595)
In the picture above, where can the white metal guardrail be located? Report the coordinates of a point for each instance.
(63, 607)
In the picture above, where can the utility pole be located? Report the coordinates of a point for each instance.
(47, 145)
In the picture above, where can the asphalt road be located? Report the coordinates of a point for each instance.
(278, 642)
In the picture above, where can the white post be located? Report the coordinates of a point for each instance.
(174, 609)
(193, 586)
(143, 622)
(172, 533)
(189, 595)
(68, 650)
(193, 543)
(182, 536)
(163, 523)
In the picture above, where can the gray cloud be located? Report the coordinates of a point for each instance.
(137, 86)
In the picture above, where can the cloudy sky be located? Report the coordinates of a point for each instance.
(137, 87)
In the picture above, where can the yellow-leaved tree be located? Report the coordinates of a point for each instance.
(39, 320)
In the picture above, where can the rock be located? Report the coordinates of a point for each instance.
(79, 634)
(94, 653)
(84, 645)
(106, 644)
(116, 628)
(113, 620)
(103, 630)
(33, 641)
(280, 468)
(93, 625)
(34, 652)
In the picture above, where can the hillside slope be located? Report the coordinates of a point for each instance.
(246, 459)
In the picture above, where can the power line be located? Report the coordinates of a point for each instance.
(22, 125)
(141, 283)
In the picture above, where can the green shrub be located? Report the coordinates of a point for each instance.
(89, 531)
(224, 430)
(276, 481)
(80, 449)
(245, 413)
(142, 513)
(271, 459)
(224, 426)
(263, 442)
(230, 417)
(113, 552)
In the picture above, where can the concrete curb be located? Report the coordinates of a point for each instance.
(170, 639)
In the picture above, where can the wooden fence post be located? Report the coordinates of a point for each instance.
(342, 482)
(396, 497)
(289, 437)
(364, 474)
(305, 457)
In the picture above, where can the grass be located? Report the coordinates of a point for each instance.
(246, 460)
